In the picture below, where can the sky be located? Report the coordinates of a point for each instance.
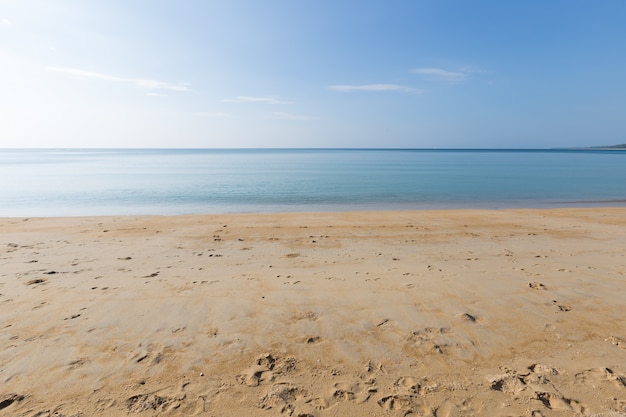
(312, 73)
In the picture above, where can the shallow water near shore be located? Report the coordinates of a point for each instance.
(75, 182)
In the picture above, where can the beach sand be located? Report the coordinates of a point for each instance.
(422, 313)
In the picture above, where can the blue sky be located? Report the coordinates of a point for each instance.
(290, 73)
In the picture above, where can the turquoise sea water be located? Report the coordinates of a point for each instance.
(49, 182)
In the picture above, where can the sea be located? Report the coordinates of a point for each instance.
(90, 182)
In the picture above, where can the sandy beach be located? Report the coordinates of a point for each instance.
(416, 313)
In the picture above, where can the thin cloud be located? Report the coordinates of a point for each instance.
(251, 99)
(137, 82)
(6, 22)
(375, 88)
(289, 116)
(159, 85)
(440, 74)
(215, 114)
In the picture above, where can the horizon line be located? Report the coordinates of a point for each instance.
(608, 147)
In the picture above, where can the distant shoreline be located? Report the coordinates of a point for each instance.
(594, 148)
(610, 147)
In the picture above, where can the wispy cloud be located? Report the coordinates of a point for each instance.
(289, 116)
(440, 74)
(137, 82)
(215, 114)
(251, 99)
(375, 88)
(6, 22)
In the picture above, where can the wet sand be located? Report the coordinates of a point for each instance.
(423, 313)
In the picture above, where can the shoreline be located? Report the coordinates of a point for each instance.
(427, 312)
(614, 204)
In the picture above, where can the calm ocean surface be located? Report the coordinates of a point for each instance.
(115, 182)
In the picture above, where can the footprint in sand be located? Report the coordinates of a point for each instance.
(282, 396)
(397, 402)
(254, 376)
(146, 402)
(343, 392)
(508, 384)
(266, 368)
(617, 341)
(411, 385)
(430, 339)
(597, 375)
(152, 354)
(513, 383)
(535, 384)
(311, 339)
(470, 317)
(104, 404)
(562, 307)
(305, 315)
(8, 399)
(356, 391)
(555, 401)
(318, 403)
(536, 285)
